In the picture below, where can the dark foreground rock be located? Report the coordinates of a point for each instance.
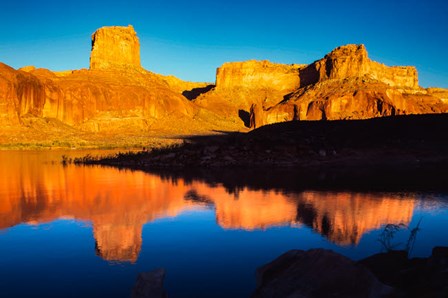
(418, 277)
(317, 273)
(150, 285)
(324, 273)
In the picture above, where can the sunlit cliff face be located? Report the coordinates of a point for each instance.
(118, 203)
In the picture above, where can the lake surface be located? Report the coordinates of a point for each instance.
(77, 231)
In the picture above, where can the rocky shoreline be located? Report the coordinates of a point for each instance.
(408, 150)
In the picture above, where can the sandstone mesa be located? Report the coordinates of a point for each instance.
(116, 94)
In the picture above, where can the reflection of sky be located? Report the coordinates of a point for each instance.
(199, 255)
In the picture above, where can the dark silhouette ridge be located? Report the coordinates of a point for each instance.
(196, 92)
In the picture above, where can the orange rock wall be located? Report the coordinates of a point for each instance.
(21, 94)
(89, 100)
(257, 75)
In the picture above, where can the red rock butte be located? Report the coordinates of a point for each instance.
(115, 48)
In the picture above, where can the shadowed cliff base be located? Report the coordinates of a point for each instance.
(402, 152)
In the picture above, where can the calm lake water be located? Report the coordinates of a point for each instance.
(78, 231)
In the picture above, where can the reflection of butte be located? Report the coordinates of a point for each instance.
(118, 203)
(344, 217)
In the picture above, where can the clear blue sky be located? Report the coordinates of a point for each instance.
(190, 39)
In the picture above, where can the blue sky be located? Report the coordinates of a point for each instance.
(190, 39)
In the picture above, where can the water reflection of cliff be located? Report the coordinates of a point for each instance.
(119, 203)
(344, 217)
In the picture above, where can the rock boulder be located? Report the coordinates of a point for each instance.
(317, 273)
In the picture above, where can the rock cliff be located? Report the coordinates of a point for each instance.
(346, 84)
(115, 47)
(352, 61)
(91, 101)
(262, 75)
(241, 84)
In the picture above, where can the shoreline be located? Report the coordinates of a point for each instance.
(405, 151)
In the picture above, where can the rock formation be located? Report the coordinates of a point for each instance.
(346, 84)
(262, 75)
(115, 48)
(241, 84)
(21, 94)
(352, 61)
(91, 101)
